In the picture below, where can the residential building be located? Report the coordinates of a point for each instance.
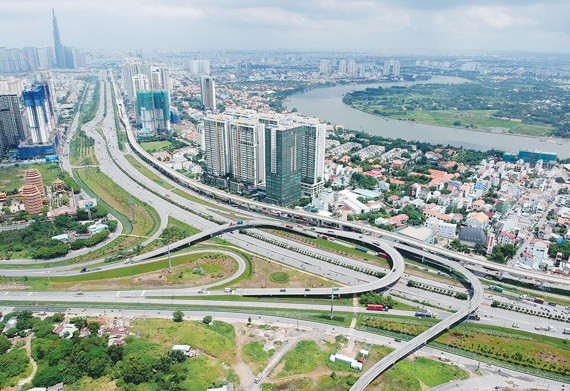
(208, 92)
(129, 68)
(324, 67)
(200, 67)
(153, 112)
(39, 113)
(342, 66)
(351, 68)
(391, 68)
(283, 163)
(216, 146)
(11, 124)
(441, 228)
(247, 146)
(313, 155)
(140, 82)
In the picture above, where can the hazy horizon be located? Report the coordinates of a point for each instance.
(320, 25)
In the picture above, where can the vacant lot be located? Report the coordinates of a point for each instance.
(12, 178)
(155, 145)
(216, 340)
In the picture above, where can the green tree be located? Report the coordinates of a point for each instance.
(207, 319)
(5, 344)
(178, 316)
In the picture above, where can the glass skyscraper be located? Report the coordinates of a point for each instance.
(283, 165)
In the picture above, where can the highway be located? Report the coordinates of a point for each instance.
(303, 215)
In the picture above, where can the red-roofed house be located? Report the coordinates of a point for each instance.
(399, 220)
(506, 238)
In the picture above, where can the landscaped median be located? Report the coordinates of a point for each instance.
(522, 351)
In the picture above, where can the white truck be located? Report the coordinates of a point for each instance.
(566, 330)
(545, 328)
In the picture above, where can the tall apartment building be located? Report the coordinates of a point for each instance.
(391, 68)
(342, 66)
(140, 82)
(283, 162)
(200, 67)
(208, 92)
(324, 67)
(313, 134)
(153, 113)
(247, 146)
(39, 113)
(244, 133)
(11, 124)
(351, 68)
(159, 78)
(216, 145)
(129, 68)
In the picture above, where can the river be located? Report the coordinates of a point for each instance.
(326, 103)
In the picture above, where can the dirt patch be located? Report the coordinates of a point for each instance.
(12, 286)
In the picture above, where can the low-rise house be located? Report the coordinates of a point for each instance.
(65, 330)
(506, 238)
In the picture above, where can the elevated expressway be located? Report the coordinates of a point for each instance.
(313, 218)
(441, 256)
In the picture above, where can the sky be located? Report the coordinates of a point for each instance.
(412, 26)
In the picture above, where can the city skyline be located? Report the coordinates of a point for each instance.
(405, 26)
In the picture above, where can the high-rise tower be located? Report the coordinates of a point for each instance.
(208, 92)
(11, 125)
(57, 45)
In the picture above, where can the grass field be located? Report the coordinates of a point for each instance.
(12, 178)
(303, 358)
(146, 218)
(256, 356)
(307, 367)
(415, 374)
(217, 340)
(481, 119)
(505, 344)
(155, 145)
(164, 183)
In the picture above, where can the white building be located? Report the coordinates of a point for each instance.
(200, 67)
(441, 228)
(216, 145)
(140, 82)
(247, 151)
(130, 68)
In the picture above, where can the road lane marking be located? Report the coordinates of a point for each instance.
(118, 293)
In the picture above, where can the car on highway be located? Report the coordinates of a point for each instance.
(282, 290)
(307, 289)
(397, 340)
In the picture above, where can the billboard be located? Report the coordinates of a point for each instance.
(87, 204)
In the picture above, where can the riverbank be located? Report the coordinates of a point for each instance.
(326, 104)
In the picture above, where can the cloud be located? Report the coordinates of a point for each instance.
(293, 24)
